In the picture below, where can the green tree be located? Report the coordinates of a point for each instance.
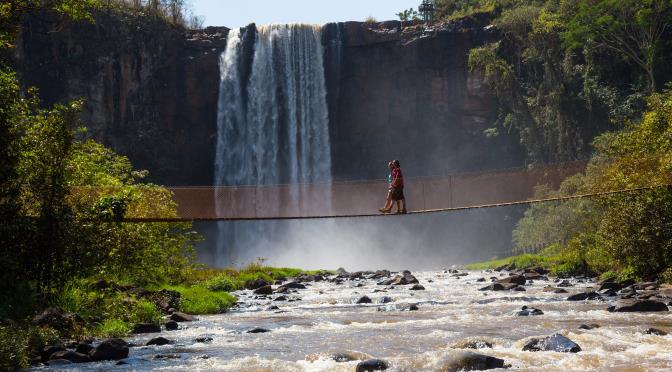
(631, 28)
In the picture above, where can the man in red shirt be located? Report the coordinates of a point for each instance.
(396, 189)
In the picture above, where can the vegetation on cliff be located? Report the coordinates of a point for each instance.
(585, 79)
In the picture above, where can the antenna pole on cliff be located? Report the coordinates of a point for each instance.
(427, 9)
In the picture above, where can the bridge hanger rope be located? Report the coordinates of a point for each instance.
(416, 212)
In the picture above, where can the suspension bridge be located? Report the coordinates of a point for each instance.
(351, 199)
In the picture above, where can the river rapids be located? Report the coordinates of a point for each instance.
(315, 324)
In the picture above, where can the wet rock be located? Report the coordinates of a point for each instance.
(413, 307)
(582, 296)
(280, 298)
(589, 326)
(529, 311)
(404, 279)
(381, 274)
(555, 342)
(646, 286)
(258, 330)
(513, 279)
(560, 290)
(473, 344)
(47, 351)
(146, 328)
(167, 356)
(339, 357)
(171, 325)
(181, 317)
(256, 283)
(84, 348)
(417, 287)
(58, 362)
(293, 285)
(203, 340)
(112, 349)
(385, 299)
(499, 287)
(265, 290)
(272, 307)
(460, 275)
(507, 267)
(518, 289)
(655, 331)
(372, 365)
(159, 341)
(71, 356)
(626, 306)
(364, 300)
(470, 361)
(480, 280)
(565, 284)
(282, 289)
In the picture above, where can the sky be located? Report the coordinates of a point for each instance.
(237, 13)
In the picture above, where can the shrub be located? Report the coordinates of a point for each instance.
(199, 300)
(222, 283)
(113, 328)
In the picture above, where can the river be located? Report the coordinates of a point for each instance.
(324, 319)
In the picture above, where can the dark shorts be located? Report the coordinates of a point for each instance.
(398, 193)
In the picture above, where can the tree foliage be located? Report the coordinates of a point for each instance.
(629, 233)
(630, 28)
(62, 197)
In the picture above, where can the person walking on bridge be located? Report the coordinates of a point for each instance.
(396, 190)
(388, 200)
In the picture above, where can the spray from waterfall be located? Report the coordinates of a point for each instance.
(272, 126)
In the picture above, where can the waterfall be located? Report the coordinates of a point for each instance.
(272, 123)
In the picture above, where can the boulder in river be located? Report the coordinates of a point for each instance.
(627, 306)
(515, 279)
(364, 300)
(529, 311)
(385, 299)
(264, 290)
(146, 328)
(555, 342)
(203, 340)
(112, 349)
(372, 365)
(589, 326)
(159, 341)
(417, 287)
(470, 361)
(70, 355)
(182, 317)
(171, 325)
(256, 283)
(293, 285)
(84, 348)
(47, 351)
(472, 344)
(258, 330)
(499, 287)
(582, 296)
(655, 331)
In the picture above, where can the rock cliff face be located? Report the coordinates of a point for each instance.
(405, 92)
(394, 91)
(151, 89)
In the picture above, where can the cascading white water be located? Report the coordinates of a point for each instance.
(272, 125)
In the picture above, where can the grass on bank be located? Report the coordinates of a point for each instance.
(558, 261)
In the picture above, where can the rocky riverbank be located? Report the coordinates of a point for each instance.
(445, 320)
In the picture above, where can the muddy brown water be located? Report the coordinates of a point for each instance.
(304, 334)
